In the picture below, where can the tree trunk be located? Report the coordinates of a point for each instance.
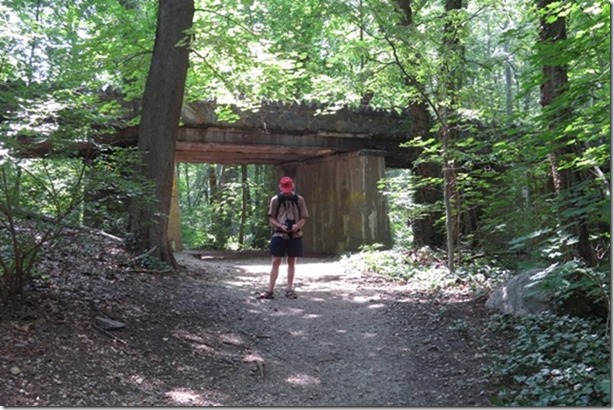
(553, 87)
(554, 83)
(452, 52)
(213, 186)
(450, 194)
(509, 101)
(162, 103)
(423, 229)
(244, 203)
(187, 193)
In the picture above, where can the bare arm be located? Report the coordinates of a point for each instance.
(298, 225)
(274, 223)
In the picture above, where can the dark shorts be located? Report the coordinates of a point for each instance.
(286, 247)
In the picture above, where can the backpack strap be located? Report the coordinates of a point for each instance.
(281, 199)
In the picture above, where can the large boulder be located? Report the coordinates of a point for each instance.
(522, 295)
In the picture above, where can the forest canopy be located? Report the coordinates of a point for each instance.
(525, 166)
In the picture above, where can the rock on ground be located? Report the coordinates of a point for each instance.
(521, 295)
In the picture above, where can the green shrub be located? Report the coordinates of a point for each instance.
(41, 198)
(36, 199)
(419, 266)
(580, 289)
(427, 268)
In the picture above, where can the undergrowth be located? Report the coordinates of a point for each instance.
(553, 360)
(427, 269)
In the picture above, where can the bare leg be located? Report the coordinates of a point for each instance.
(291, 269)
(276, 261)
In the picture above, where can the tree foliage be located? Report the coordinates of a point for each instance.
(213, 199)
(60, 70)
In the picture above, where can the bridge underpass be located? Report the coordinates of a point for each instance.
(336, 160)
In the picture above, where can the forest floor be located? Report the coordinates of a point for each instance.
(200, 337)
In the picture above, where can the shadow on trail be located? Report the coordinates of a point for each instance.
(201, 338)
(348, 340)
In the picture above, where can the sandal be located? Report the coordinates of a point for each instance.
(266, 295)
(291, 294)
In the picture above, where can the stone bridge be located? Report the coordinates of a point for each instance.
(336, 159)
(278, 133)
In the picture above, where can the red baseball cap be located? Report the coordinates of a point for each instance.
(286, 184)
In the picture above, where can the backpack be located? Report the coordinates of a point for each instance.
(281, 200)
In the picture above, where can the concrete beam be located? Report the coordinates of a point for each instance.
(237, 146)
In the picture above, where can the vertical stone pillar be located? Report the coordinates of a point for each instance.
(346, 208)
(174, 219)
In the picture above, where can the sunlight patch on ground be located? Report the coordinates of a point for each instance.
(231, 339)
(203, 348)
(327, 273)
(314, 277)
(240, 281)
(137, 379)
(377, 306)
(252, 357)
(188, 397)
(296, 312)
(255, 268)
(365, 298)
(302, 380)
(141, 382)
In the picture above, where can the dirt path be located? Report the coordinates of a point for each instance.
(348, 340)
(201, 338)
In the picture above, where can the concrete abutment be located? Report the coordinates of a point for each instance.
(345, 206)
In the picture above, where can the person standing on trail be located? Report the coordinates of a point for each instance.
(287, 215)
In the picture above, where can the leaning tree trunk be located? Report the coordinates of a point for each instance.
(160, 115)
(554, 86)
